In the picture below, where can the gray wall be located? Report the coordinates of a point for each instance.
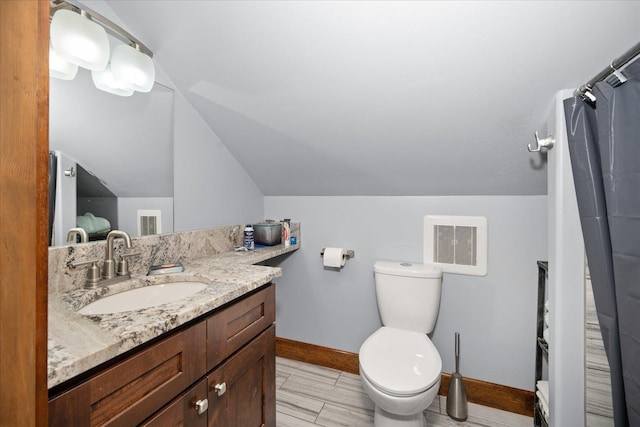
(211, 188)
(495, 315)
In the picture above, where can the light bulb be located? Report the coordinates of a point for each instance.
(59, 68)
(104, 80)
(134, 68)
(79, 40)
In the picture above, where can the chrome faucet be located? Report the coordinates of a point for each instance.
(73, 232)
(109, 274)
(109, 268)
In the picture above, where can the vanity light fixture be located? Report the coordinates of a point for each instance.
(104, 80)
(133, 68)
(79, 40)
(61, 68)
(79, 37)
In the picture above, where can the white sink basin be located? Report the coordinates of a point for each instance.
(148, 296)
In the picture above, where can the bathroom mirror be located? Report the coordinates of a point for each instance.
(114, 156)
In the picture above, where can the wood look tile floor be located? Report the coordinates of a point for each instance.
(311, 395)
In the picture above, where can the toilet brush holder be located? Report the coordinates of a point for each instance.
(457, 407)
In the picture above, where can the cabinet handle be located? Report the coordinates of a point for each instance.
(202, 406)
(220, 388)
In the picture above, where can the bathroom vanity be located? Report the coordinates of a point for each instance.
(206, 359)
(218, 370)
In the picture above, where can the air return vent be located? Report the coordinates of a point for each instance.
(149, 222)
(456, 244)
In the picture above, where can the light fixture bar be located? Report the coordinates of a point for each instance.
(112, 28)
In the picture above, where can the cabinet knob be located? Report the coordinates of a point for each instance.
(220, 388)
(202, 406)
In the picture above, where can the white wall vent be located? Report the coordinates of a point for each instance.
(149, 222)
(456, 244)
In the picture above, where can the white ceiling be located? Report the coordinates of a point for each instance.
(382, 98)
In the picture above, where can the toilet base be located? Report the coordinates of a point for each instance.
(383, 418)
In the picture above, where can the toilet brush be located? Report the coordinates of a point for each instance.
(457, 396)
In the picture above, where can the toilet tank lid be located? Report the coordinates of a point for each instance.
(407, 269)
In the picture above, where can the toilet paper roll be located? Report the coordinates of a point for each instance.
(334, 257)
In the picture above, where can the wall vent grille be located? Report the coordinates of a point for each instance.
(456, 244)
(149, 222)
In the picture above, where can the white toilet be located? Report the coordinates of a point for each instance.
(399, 365)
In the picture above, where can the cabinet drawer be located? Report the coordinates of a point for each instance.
(236, 325)
(183, 411)
(135, 388)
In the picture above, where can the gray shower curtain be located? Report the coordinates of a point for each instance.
(604, 146)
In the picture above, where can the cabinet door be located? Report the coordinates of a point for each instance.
(236, 325)
(242, 390)
(133, 389)
(189, 409)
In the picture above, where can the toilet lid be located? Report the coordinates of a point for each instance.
(400, 362)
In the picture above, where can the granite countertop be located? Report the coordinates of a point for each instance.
(78, 343)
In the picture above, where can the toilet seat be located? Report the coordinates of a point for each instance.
(400, 362)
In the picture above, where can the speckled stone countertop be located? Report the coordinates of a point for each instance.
(78, 343)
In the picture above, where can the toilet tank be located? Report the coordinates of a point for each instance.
(408, 294)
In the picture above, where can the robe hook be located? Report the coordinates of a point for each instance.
(541, 143)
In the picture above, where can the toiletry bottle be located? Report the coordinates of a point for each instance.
(286, 232)
(248, 237)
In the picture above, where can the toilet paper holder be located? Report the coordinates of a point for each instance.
(350, 254)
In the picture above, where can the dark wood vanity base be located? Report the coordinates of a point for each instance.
(218, 371)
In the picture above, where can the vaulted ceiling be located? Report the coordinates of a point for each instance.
(382, 98)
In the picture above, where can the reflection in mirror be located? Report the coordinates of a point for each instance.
(113, 160)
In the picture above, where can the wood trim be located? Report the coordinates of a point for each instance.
(24, 144)
(493, 395)
(481, 392)
(323, 356)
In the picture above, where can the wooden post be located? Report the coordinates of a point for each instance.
(24, 134)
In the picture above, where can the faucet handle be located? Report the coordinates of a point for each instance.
(93, 273)
(76, 264)
(128, 254)
(123, 264)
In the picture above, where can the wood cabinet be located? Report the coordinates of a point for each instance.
(219, 371)
(127, 393)
(189, 409)
(242, 390)
(233, 327)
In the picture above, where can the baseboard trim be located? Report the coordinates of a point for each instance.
(493, 395)
(481, 392)
(323, 356)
